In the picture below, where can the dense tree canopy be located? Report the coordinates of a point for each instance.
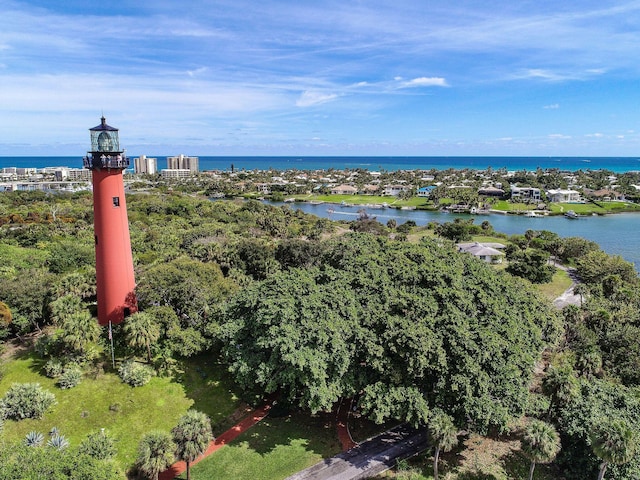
(410, 327)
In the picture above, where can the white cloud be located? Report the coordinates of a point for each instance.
(197, 71)
(553, 106)
(594, 135)
(310, 98)
(425, 82)
(559, 136)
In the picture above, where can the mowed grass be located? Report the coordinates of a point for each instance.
(272, 450)
(127, 413)
(559, 283)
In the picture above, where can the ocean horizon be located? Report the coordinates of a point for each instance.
(371, 163)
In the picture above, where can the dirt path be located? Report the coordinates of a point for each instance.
(228, 436)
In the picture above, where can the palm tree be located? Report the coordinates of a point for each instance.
(155, 454)
(192, 436)
(79, 330)
(613, 441)
(443, 434)
(141, 331)
(540, 443)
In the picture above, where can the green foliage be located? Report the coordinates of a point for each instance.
(540, 443)
(599, 404)
(58, 441)
(459, 230)
(596, 266)
(69, 255)
(20, 462)
(532, 265)
(613, 441)
(70, 377)
(79, 331)
(155, 454)
(135, 374)
(26, 400)
(141, 332)
(191, 435)
(53, 368)
(414, 327)
(98, 445)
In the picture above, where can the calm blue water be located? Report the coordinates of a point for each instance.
(614, 164)
(617, 234)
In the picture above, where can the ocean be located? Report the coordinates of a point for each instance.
(614, 164)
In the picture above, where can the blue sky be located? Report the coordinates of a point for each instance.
(322, 77)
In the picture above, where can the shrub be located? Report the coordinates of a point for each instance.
(26, 400)
(70, 377)
(98, 445)
(33, 439)
(58, 441)
(135, 374)
(53, 368)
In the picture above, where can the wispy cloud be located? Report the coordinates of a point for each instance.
(309, 99)
(553, 106)
(425, 82)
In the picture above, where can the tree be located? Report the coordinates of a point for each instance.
(412, 327)
(540, 443)
(141, 331)
(444, 435)
(192, 435)
(80, 329)
(613, 442)
(155, 454)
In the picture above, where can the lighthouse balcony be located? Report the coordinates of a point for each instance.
(105, 162)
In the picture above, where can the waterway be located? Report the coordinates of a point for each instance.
(617, 234)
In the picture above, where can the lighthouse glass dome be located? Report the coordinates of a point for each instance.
(104, 138)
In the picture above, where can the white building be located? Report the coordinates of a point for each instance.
(175, 173)
(563, 196)
(145, 165)
(182, 162)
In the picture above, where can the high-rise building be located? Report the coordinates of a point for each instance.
(182, 162)
(114, 261)
(146, 165)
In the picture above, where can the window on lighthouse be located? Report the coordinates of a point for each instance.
(116, 201)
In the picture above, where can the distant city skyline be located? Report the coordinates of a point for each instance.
(322, 78)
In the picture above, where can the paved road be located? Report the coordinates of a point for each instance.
(369, 458)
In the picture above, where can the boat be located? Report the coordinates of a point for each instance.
(570, 214)
(531, 214)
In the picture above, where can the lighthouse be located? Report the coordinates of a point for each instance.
(114, 261)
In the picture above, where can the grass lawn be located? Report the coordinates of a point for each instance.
(366, 200)
(273, 449)
(557, 286)
(126, 412)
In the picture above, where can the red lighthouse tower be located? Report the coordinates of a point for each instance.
(114, 262)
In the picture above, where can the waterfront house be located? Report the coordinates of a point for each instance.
(525, 194)
(395, 190)
(487, 252)
(344, 190)
(563, 196)
(425, 191)
(491, 192)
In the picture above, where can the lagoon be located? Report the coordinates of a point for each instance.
(617, 234)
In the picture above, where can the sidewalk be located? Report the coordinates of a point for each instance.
(228, 436)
